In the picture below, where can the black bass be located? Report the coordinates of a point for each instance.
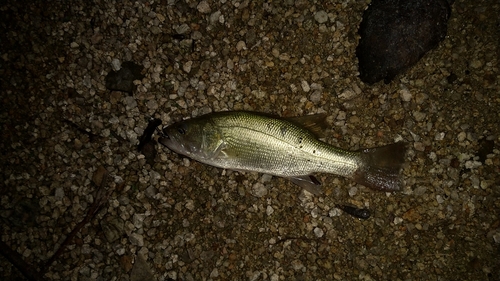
(246, 141)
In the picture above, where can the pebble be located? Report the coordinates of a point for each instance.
(152, 104)
(241, 45)
(259, 190)
(352, 191)
(214, 273)
(347, 94)
(136, 239)
(496, 237)
(59, 193)
(397, 220)
(138, 219)
(269, 210)
(116, 64)
(461, 136)
(419, 115)
(190, 205)
(305, 86)
(321, 16)
(419, 146)
(318, 232)
(316, 96)
(297, 265)
(439, 136)
(130, 102)
(420, 98)
(405, 94)
(182, 29)
(187, 66)
(203, 7)
(475, 63)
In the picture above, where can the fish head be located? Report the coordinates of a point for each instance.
(195, 138)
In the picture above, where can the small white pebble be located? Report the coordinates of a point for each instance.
(318, 232)
(116, 64)
(405, 94)
(432, 156)
(321, 16)
(439, 136)
(352, 191)
(305, 86)
(342, 115)
(461, 136)
(203, 7)
(241, 45)
(259, 190)
(398, 220)
(269, 210)
(214, 273)
(189, 204)
(471, 164)
(347, 94)
(187, 66)
(120, 251)
(419, 146)
(335, 212)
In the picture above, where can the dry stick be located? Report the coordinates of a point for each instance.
(101, 198)
(15, 258)
(27, 269)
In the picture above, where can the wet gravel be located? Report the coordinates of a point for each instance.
(171, 218)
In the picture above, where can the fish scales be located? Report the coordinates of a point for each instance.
(278, 147)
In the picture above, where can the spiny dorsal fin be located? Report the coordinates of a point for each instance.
(315, 123)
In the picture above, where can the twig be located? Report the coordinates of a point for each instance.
(28, 270)
(15, 258)
(101, 198)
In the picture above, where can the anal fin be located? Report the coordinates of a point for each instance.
(309, 183)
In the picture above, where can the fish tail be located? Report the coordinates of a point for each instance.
(380, 167)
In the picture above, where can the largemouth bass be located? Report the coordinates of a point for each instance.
(247, 141)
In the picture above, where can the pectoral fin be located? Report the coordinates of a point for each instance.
(219, 153)
(309, 183)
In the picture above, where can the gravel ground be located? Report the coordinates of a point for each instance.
(170, 218)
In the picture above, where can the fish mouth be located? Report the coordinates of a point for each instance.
(172, 143)
(163, 132)
(164, 139)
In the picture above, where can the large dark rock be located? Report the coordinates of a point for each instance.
(395, 34)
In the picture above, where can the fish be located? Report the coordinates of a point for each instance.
(359, 213)
(283, 147)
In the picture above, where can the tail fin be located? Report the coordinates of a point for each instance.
(380, 167)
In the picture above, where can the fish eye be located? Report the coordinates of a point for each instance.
(364, 214)
(181, 130)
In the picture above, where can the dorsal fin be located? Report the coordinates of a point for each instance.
(315, 123)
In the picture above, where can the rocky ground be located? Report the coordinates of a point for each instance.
(171, 218)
